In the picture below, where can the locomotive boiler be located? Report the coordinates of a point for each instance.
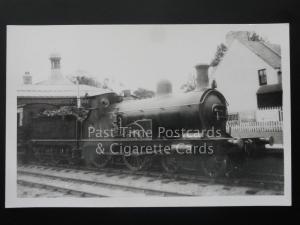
(170, 128)
(200, 109)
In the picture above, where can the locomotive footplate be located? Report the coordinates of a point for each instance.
(207, 146)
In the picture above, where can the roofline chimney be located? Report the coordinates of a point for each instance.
(27, 78)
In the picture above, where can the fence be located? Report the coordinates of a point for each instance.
(259, 115)
(268, 126)
(256, 129)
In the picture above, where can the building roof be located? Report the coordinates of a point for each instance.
(59, 81)
(270, 53)
(59, 91)
(58, 86)
(56, 78)
(271, 88)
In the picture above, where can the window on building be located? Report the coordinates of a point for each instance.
(262, 77)
(279, 77)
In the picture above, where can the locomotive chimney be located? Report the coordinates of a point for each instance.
(202, 76)
(164, 87)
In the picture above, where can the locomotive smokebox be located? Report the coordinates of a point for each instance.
(202, 76)
(164, 87)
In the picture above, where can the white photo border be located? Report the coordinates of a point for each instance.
(12, 201)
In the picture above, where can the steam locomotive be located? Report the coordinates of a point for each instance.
(172, 131)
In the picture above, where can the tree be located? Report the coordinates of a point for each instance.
(84, 78)
(143, 93)
(87, 81)
(252, 36)
(221, 49)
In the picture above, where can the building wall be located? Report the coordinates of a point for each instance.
(237, 77)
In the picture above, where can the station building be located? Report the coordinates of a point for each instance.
(55, 90)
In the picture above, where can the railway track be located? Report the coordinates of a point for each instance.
(83, 183)
(256, 180)
(118, 182)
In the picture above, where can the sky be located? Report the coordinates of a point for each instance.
(135, 55)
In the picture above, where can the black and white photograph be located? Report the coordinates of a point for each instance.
(148, 115)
